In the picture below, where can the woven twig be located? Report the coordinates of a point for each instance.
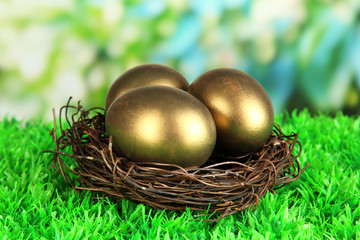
(225, 184)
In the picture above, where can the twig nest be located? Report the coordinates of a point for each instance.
(224, 184)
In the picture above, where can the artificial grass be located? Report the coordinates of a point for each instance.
(36, 203)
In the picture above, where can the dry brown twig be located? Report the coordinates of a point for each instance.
(224, 185)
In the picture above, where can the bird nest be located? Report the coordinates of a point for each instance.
(224, 185)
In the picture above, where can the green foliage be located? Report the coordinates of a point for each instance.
(36, 203)
(304, 53)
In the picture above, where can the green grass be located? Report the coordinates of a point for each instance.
(35, 202)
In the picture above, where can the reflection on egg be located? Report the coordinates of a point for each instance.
(161, 124)
(241, 108)
(144, 75)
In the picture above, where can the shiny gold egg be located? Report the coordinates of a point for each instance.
(161, 124)
(240, 106)
(144, 75)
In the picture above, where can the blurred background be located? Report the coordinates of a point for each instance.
(305, 53)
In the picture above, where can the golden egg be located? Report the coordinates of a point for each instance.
(240, 106)
(161, 124)
(144, 75)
